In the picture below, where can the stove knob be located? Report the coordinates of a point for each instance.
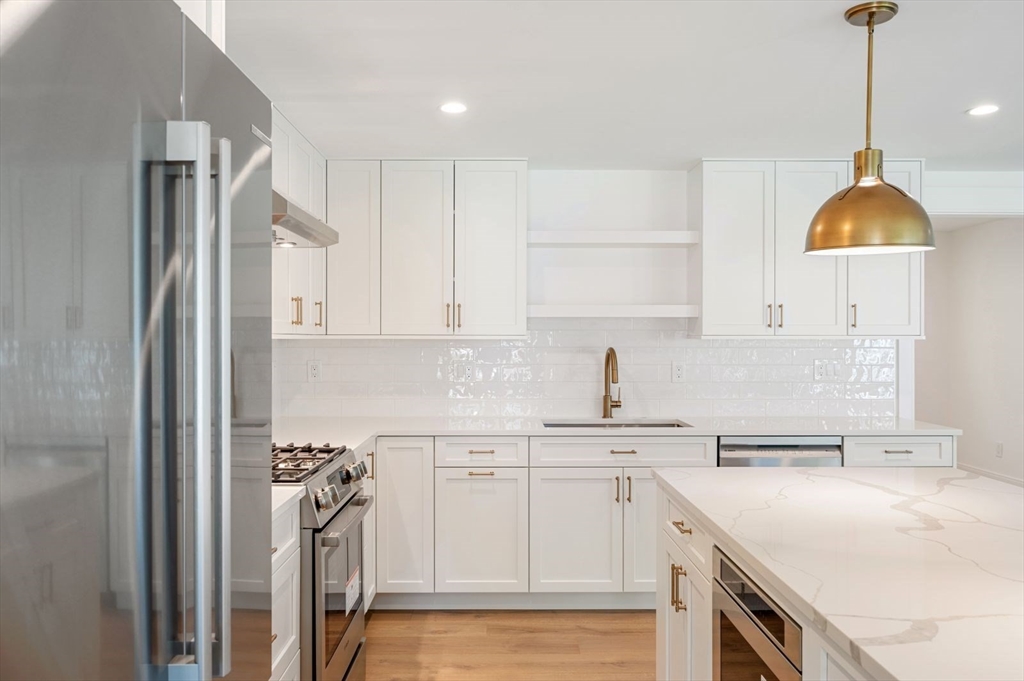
(324, 500)
(335, 497)
(356, 471)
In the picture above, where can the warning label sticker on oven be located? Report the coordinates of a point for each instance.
(352, 589)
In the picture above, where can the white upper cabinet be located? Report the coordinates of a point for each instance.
(886, 290)
(353, 264)
(490, 247)
(738, 241)
(755, 278)
(810, 291)
(298, 170)
(417, 247)
(298, 298)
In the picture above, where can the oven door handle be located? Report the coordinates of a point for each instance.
(331, 540)
(355, 511)
(724, 605)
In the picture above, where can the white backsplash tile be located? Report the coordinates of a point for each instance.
(556, 371)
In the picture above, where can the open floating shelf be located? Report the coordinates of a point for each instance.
(584, 238)
(671, 311)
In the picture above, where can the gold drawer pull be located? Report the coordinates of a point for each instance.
(681, 526)
(273, 550)
(491, 473)
(677, 572)
(899, 451)
(273, 637)
(481, 451)
(623, 451)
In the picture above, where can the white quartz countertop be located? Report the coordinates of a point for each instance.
(355, 431)
(917, 572)
(282, 496)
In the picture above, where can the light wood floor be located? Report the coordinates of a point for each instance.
(510, 645)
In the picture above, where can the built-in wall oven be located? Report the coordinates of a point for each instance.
(753, 638)
(331, 631)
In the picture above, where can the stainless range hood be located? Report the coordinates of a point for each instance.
(307, 230)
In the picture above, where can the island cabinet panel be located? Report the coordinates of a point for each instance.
(482, 530)
(576, 529)
(683, 613)
(691, 538)
(823, 662)
(405, 514)
(623, 451)
(898, 451)
(640, 530)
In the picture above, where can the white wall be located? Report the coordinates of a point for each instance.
(970, 369)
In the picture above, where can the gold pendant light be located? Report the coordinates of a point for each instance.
(871, 216)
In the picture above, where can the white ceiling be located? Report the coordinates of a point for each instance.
(636, 84)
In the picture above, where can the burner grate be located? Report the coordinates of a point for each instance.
(297, 463)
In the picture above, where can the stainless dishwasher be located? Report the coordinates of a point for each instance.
(799, 452)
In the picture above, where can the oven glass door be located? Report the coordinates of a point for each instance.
(339, 590)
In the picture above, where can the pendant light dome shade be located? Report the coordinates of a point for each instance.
(871, 216)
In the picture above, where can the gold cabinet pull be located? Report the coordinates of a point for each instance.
(273, 550)
(629, 489)
(854, 306)
(296, 311)
(673, 585)
(623, 451)
(481, 451)
(769, 315)
(681, 526)
(301, 320)
(373, 465)
(618, 487)
(273, 637)
(320, 317)
(447, 315)
(898, 451)
(458, 314)
(780, 315)
(490, 473)
(677, 572)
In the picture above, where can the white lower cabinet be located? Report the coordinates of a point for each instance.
(639, 530)
(822, 662)
(481, 530)
(683, 617)
(285, 609)
(405, 514)
(576, 529)
(293, 670)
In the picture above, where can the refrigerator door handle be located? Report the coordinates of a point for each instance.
(224, 396)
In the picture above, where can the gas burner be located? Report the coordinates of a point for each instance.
(291, 463)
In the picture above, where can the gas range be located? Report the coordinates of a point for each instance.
(328, 474)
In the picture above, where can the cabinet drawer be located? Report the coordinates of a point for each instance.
(475, 451)
(688, 536)
(285, 595)
(898, 451)
(284, 536)
(622, 451)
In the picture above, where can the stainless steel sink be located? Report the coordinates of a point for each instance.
(615, 423)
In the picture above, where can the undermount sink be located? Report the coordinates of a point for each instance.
(616, 423)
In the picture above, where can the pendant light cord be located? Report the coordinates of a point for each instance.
(871, 55)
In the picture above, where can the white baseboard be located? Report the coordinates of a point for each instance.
(527, 601)
(990, 474)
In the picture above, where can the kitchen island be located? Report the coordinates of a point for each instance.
(899, 573)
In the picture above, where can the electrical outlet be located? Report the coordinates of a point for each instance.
(827, 370)
(314, 370)
(678, 372)
(999, 450)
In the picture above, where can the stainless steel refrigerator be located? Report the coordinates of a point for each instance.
(135, 396)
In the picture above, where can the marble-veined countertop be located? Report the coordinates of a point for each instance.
(918, 573)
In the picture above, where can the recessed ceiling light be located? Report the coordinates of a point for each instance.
(453, 107)
(983, 110)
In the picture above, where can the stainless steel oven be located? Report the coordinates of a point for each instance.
(753, 638)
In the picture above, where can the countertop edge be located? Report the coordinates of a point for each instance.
(282, 497)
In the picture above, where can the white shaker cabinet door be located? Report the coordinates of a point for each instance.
(640, 530)
(684, 625)
(738, 235)
(810, 290)
(283, 310)
(318, 186)
(885, 291)
(482, 530)
(405, 514)
(576, 529)
(353, 264)
(490, 247)
(417, 247)
(281, 140)
(314, 323)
